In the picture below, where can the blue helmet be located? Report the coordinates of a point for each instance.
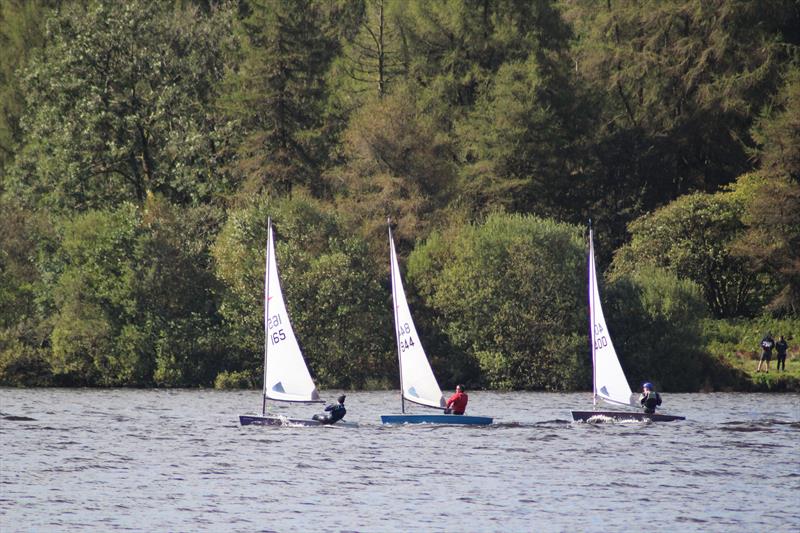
(647, 385)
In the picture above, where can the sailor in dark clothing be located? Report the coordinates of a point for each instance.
(781, 347)
(337, 412)
(649, 399)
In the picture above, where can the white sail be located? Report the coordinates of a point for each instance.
(417, 381)
(286, 375)
(609, 379)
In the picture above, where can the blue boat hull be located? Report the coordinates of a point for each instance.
(585, 416)
(460, 420)
(255, 420)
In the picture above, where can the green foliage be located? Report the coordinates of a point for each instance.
(675, 87)
(233, 380)
(22, 365)
(655, 322)
(136, 301)
(516, 144)
(777, 130)
(135, 134)
(115, 107)
(399, 165)
(277, 95)
(21, 32)
(336, 304)
(505, 292)
(770, 242)
(691, 237)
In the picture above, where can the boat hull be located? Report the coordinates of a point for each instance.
(255, 420)
(625, 415)
(460, 420)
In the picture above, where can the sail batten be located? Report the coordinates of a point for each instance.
(286, 376)
(610, 383)
(417, 380)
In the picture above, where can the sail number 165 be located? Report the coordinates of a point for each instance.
(275, 322)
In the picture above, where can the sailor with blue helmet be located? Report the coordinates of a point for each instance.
(649, 399)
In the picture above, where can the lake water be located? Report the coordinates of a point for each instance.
(177, 460)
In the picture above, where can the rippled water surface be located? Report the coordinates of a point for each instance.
(108, 460)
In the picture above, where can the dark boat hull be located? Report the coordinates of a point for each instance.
(461, 420)
(255, 420)
(585, 416)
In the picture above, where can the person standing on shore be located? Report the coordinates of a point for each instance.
(781, 347)
(767, 344)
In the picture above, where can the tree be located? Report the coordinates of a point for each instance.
(518, 143)
(117, 107)
(777, 131)
(506, 294)
(398, 164)
(137, 301)
(770, 242)
(372, 60)
(21, 32)
(277, 95)
(27, 242)
(673, 87)
(691, 237)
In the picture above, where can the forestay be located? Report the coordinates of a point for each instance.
(609, 379)
(286, 376)
(417, 381)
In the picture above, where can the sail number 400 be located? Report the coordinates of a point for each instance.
(600, 340)
(404, 343)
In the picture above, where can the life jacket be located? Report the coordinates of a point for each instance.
(651, 400)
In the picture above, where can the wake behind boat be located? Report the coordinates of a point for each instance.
(417, 382)
(286, 376)
(608, 379)
(619, 416)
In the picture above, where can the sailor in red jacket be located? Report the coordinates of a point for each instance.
(457, 403)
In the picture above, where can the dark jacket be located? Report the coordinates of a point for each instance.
(337, 412)
(781, 347)
(650, 401)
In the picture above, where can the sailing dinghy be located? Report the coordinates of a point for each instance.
(286, 376)
(417, 382)
(609, 382)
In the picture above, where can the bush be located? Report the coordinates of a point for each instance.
(655, 321)
(234, 380)
(507, 294)
(22, 365)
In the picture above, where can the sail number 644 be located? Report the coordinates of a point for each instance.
(404, 343)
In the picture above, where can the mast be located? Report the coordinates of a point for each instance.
(266, 314)
(592, 280)
(392, 262)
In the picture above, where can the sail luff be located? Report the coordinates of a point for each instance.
(392, 262)
(591, 316)
(266, 313)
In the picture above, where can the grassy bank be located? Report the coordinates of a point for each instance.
(734, 345)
